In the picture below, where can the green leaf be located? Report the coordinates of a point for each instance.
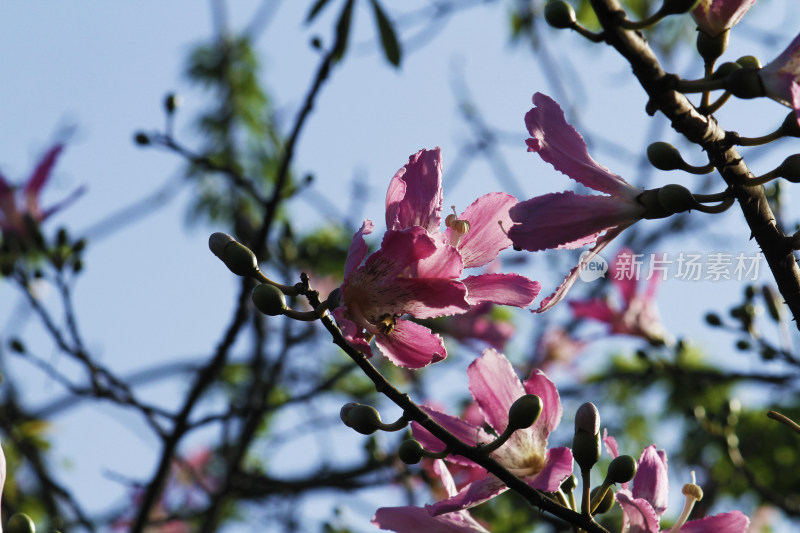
(391, 46)
(343, 30)
(316, 10)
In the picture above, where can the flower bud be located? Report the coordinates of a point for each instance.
(622, 469)
(664, 156)
(524, 412)
(559, 14)
(710, 48)
(410, 452)
(745, 83)
(269, 299)
(172, 102)
(725, 70)
(676, 7)
(713, 319)
(363, 418)
(569, 484)
(586, 441)
(749, 62)
(587, 418)
(676, 198)
(606, 503)
(141, 138)
(790, 127)
(20, 523)
(237, 257)
(790, 168)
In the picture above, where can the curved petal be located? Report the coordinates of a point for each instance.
(444, 262)
(422, 298)
(42, 172)
(557, 468)
(567, 220)
(358, 248)
(540, 385)
(637, 515)
(421, 201)
(410, 345)
(733, 522)
(560, 145)
(651, 482)
(352, 333)
(444, 474)
(473, 494)
(495, 386)
(488, 220)
(399, 250)
(411, 519)
(562, 289)
(501, 289)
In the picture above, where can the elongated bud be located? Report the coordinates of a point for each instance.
(676, 7)
(269, 299)
(790, 168)
(20, 523)
(525, 411)
(606, 503)
(559, 14)
(745, 83)
(237, 257)
(410, 452)
(664, 156)
(622, 469)
(586, 441)
(363, 418)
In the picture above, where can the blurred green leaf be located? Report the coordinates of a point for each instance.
(343, 30)
(315, 10)
(391, 46)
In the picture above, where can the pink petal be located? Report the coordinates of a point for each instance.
(733, 522)
(445, 262)
(568, 220)
(596, 309)
(557, 468)
(611, 444)
(471, 495)
(541, 386)
(411, 519)
(562, 289)
(501, 289)
(444, 474)
(638, 516)
(352, 333)
(620, 272)
(489, 220)
(358, 248)
(560, 145)
(716, 16)
(421, 298)
(420, 204)
(495, 386)
(42, 172)
(463, 431)
(410, 345)
(651, 482)
(399, 250)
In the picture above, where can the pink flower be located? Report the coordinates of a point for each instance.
(567, 219)
(16, 204)
(495, 386)
(411, 519)
(638, 314)
(556, 346)
(716, 16)
(414, 199)
(480, 324)
(643, 506)
(781, 77)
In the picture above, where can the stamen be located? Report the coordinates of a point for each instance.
(693, 494)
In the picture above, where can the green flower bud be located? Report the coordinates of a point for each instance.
(676, 7)
(725, 70)
(745, 83)
(749, 62)
(559, 14)
(742, 345)
(790, 127)
(606, 503)
(20, 523)
(713, 319)
(710, 48)
(363, 418)
(622, 469)
(664, 156)
(524, 412)
(141, 138)
(569, 484)
(410, 452)
(172, 102)
(269, 299)
(676, 198)
(237, 257)
(790, 168)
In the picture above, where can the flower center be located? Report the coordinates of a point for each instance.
(386, 324)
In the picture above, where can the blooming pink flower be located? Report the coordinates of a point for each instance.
(16, 204)
(412, 519)
(495, 387)
(716, 16)
(414, 198)
(781, 77)
(638, 315)
(567, 219)
(643, 506)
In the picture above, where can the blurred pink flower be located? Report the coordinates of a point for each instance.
(716, 16)
(479, 324)
(637, 316)
(781, 77)
(556, 346)
(567, 219)
(412, 519)
(18, 203)
(495, 387)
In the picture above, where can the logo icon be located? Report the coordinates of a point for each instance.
(592, 267)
